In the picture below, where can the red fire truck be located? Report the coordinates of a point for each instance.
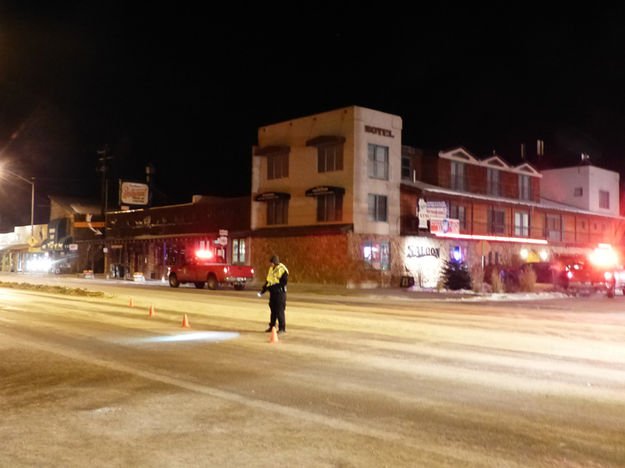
(205, 268)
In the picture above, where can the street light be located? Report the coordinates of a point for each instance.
(32, 196)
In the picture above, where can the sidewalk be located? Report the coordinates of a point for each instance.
(413, 293)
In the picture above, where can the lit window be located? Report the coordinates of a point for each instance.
(377, 255)
(238, 251)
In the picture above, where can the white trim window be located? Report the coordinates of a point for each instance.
(525, 187)
(458, 212)
(457, 181)
(378, 162)
(521, 224)
(377, 207)
(493, 183)
(553, 227)
(496, 221)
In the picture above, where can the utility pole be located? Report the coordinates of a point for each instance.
(103, 159)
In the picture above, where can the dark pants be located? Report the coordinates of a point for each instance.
(277, 304)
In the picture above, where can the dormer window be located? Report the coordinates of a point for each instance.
(493, 183)
(525, 184)
(457, 176)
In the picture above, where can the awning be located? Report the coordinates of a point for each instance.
(324, 190)
(325, 140)
(269, 150)
(266, 196)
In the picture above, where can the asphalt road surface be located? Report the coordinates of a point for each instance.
(364, 379)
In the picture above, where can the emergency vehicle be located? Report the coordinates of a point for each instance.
(600, 271)
(206, 267)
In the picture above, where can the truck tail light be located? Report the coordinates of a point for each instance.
(569, 274)
(226, 270)
(252, 271)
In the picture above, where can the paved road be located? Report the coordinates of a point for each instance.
(361, 379)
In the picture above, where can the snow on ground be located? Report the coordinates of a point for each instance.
(468, 295)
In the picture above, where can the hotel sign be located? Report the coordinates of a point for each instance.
(378, 131)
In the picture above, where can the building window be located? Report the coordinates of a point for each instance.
(493, 183)
(521, 224)
(525, 184)
(330, 158)
(238, 251)
(377, 255)
(378, 162)
(278, 211)
(377, 207)
(578, 191)
(406, 170)
(457, 175)
(604, 199)
(277, 166)
(458, 212)
(553, 227)
(497, 221)
(330, 207)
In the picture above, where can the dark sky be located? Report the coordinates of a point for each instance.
(186, 89)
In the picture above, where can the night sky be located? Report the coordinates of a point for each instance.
(186, 90)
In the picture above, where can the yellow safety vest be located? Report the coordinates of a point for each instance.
(275, 273)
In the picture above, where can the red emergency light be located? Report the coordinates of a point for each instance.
(204, 254)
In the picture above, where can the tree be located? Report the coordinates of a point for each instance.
(456, 275)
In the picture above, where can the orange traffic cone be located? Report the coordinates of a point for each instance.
(185, 322)
(151, 314)
(130, 304)
(274, 336)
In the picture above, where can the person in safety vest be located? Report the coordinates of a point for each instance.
(277, 277)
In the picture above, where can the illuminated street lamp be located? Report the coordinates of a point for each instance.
(32, 195)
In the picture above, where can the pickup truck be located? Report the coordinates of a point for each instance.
(205, 271)
(599, 272)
